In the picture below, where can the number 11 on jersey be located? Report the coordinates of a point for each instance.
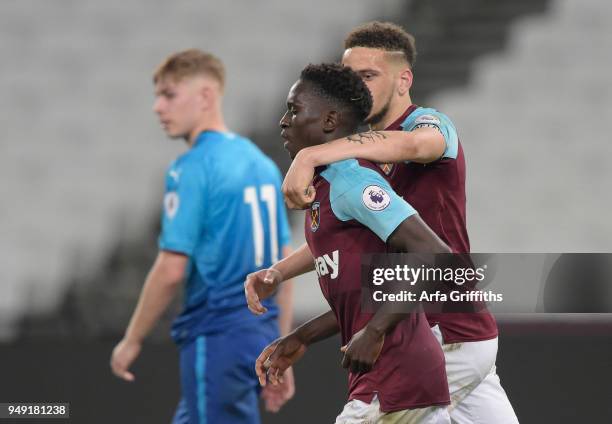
(268, 195)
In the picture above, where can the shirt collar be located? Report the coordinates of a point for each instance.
(397, 124)
(206, 134)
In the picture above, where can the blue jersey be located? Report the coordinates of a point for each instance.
(224, 209)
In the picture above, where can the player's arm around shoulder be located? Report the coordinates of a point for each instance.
(421, 145)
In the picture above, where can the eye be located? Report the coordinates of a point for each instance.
(368, 76)
(169, 95)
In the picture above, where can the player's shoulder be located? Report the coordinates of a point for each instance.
(423, 117)
(339, 173)
(237, 143)
(258, 158)
(184, 171)
(426, 116)
(343, 176)
(244, 151)
(191, 160)
(220, 147)
(188, 165)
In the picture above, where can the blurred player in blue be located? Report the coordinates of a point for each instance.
(223, 218)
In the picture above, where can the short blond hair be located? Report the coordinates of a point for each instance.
(189, 63)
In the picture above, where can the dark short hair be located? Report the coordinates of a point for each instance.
(383, 35)
(341, 85)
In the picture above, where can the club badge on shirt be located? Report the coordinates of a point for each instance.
(315, 216)
(171, 204)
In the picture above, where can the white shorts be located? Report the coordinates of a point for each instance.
(358, 412)
(477, 396)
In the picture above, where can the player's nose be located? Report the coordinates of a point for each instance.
(157, 105)
(284, 122)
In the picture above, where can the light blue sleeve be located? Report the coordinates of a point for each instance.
(183, 212)
(431, 118)
(364, 195)
(284, 231)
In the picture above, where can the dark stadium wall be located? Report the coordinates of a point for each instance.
(550, 379)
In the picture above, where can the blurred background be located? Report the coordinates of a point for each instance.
(82, 160)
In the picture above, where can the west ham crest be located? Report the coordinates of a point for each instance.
(315, 216)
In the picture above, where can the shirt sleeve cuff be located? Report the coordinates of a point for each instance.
(177, 247)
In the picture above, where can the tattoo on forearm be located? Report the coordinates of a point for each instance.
(366, 137)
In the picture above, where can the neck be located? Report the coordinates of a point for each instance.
(340, 133)
(396, 109)
(212, 122)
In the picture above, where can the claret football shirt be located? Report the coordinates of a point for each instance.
(437, 191)
(354, 212)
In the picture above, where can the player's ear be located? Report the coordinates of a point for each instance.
(206, 96)
(330, 123)
(405, 81)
